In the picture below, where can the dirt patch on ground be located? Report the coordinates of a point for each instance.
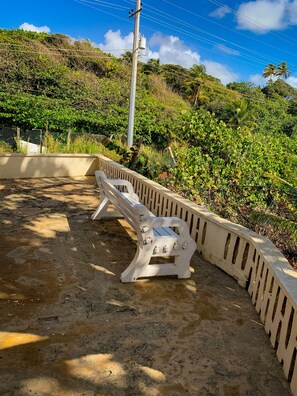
(70, 327)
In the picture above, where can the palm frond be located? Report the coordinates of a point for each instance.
(289, 189)
(277, 222)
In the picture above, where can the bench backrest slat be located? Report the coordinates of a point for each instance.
(134, 212)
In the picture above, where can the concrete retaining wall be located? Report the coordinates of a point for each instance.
(14, 166)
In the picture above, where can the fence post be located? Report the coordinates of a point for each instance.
(41, 140)
(18, 137)
(69, 139)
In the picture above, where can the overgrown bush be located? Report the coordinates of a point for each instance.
(224, 167)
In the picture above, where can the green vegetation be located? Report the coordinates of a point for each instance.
(282, 221)
(5, 148)
(224, 139)
(228, 164)
(80, 144)
(50, 82)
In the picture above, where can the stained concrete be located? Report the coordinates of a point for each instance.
(69, 327)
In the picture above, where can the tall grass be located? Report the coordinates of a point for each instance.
(52, 145)
(5, 148)
(80, 145)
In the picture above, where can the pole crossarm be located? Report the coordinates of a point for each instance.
(135, 12)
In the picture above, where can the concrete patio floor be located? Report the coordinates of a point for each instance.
(68, 326)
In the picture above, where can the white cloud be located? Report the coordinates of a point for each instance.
(172, 50)
(115, 43)
(258, 79)
(263, 16)
(220, 12)
(169, 49)
(33, 28)
(227, 50)
(292, 11)
(292, 80)
(146, 55)
(218, 70)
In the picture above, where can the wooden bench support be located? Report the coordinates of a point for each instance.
(160, 237)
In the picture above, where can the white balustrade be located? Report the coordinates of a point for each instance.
(248, 257)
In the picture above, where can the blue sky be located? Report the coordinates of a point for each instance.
(234, 41)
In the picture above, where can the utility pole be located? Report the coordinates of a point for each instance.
(136, 15)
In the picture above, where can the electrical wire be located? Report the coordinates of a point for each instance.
(195, 36)
(105, 12)
(155, 20)
(82, 98)
(226, 27)
(61, 49)
(168, 16)
(95, 56)
(282, 36)
(218, 45)
(105, 4)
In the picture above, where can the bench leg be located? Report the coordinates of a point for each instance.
(139, 264)
(183, 267)
(140, 267)
(183, 261)
(102, 211)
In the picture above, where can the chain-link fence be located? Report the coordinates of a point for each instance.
(29, 140)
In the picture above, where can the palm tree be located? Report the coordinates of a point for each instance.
(269, 71)
(127, 58)
(242, 115)
(197, 76)
(152, 67)
(283, 70)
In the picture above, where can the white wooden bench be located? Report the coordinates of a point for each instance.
(156, 237)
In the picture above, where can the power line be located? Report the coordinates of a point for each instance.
(105, 12)
(226, 27)
(201, 39)
(105, 4)
(155, 20)
(96, 56)
(195, 36)
(54, 95)
(254, 22)
(52, 51)
(49, 96)
(168, 16)
(92, 51)
(160, 22)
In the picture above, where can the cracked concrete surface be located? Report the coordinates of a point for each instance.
(68, 326)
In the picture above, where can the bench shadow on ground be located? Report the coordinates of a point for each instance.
(70, 327)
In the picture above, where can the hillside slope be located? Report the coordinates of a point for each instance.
(51, 81)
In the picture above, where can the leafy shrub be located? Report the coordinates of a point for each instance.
(224, 167)
(284, 220)
(150, 162)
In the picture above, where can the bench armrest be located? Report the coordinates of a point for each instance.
(126, 183)
(170, 222)
(101, 177)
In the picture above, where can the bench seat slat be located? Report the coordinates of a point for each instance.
(164, 231)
